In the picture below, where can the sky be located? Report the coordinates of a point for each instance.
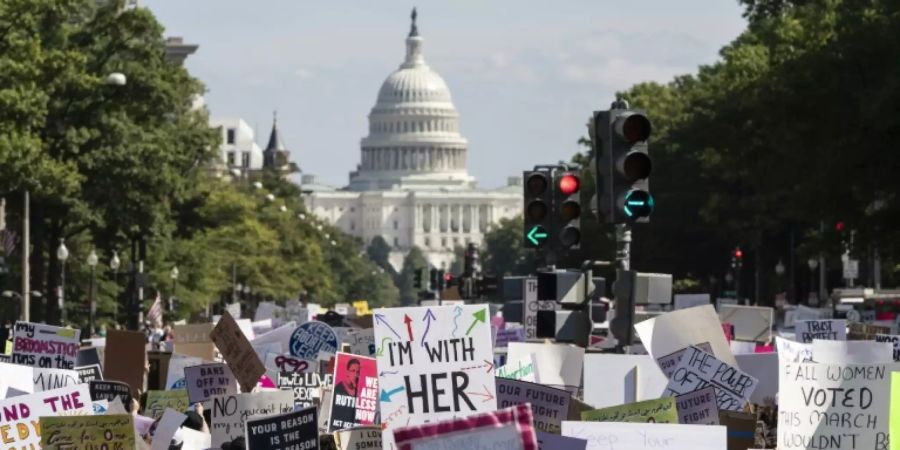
(525, 75)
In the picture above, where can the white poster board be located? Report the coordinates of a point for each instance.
(699, 369)
(676, 330)
(751, 323)
(852, 352)
(626, 379)
(627, 436)
(558, 365)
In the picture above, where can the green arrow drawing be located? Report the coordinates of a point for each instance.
(479, 316)
(535, 233)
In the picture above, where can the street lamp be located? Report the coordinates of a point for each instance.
(174, 275)
(779, 268)
(92, 261)
(62, 254)
(114, 264)
(813, 264)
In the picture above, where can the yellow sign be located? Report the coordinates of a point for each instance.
(158, 401)
(894, 421)
(87, 432)
(659, 410)
(362, 308)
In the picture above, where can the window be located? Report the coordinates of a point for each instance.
(245, 159)
(229, 139)
(396, 242)
(352, 225)
(395, 225)
(444, 242)
(427, 242)
(230, 158)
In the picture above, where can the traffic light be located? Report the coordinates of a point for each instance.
(538, 204)
(433, 280)
(472, 264)
(441, 280)
(417, 279)
(567, 209)
(622, 164)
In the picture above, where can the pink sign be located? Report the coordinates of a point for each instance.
(511, 427)
(355, 397)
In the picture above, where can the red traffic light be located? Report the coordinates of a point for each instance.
(738, 253)
(448, 277)
(839, 226)
(569, 184)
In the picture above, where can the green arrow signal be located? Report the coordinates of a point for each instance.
(535, 234)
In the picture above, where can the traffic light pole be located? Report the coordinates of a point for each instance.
(623, 246)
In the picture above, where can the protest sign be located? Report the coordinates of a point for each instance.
(558, 365)
(894, 340)
(547, 441)
(39, 345)
(194, 440)
(267, 310)
(676, 330)
(549, 406)
(100, 406)
(834, 406)
(304, 387)
(19, 416)
(741, 428)
(193, 340)
(622, 435)
(863, 331)
(297, 430)
(234, 309)
(90, 373)
(659, 410)
(362, 342)
(87, 356)
(829, 329)
(362, 308)
(699, 369)
(626, 379)
(229, 412)
(312, 338)
(355, 398)
(126, 358)
(434, 363)
(158, 364)
(852, 352)
(110, 390)
(763, 367)
(169, 423)
(894, 428)
(208, 380)
(17, 378)
(115, 432)
(520, 369)
(238, 352)
(698, 407)
(158, 401)
(276, 363)
(684, 301)
(791, 351)
(508, 428)
(751, 323)
(531, 305)
(807, 313)
(669, 363)
(49, 379)
(358, 438)
(505, 336)
(175, 376)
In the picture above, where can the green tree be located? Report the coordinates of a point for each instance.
(379, 252)
(503, 252)
(414, 262)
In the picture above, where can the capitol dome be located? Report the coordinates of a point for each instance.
(413, 140)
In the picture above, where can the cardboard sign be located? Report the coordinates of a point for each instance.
(837, 406)
(50, 379)
(828, 329)
(660, 410)
(864, 332)
(209, 380)
(676, 330)
(304, 387)
(751, 323)
(88, 432)
(193, 340)
(158, 363)
(894, 340)
(763, 367)
(558, 365)
(698, 407)
(292, 431)
(699, 369)
(287, 363)
(39, 345)
(520, 369)
(434, 363)
(126, 357)
(111, 390)
(626, 379)
(19, 416)
(623, 435)
(852, 352)
(549, 406)
(238, 352)
(547, 441)
(790, 351)
(229, 412)
(684, 301)
(159, 401)
(312, 338)
(362, 342)
(355, 396)
(362, 308)
(669, 363)
(741, 428)
(358, 438)
(508, 428)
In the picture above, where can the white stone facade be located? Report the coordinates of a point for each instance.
(239, 149)
(411, 186)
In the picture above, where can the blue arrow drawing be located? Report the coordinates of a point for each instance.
(380, 319)
(429, 316)
(386, 395)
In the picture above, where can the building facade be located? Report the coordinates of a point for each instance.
(411, 186)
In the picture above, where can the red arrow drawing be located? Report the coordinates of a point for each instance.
(487, 394)
(408, 323)
(488, 364)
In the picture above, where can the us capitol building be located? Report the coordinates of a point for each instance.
(411, 186)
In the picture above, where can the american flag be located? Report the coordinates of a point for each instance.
(154, 315)
(8, 240)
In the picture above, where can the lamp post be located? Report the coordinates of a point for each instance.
(62, 254)
(114, 264)
(174, 275)
(92, 263)
(780, 270)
